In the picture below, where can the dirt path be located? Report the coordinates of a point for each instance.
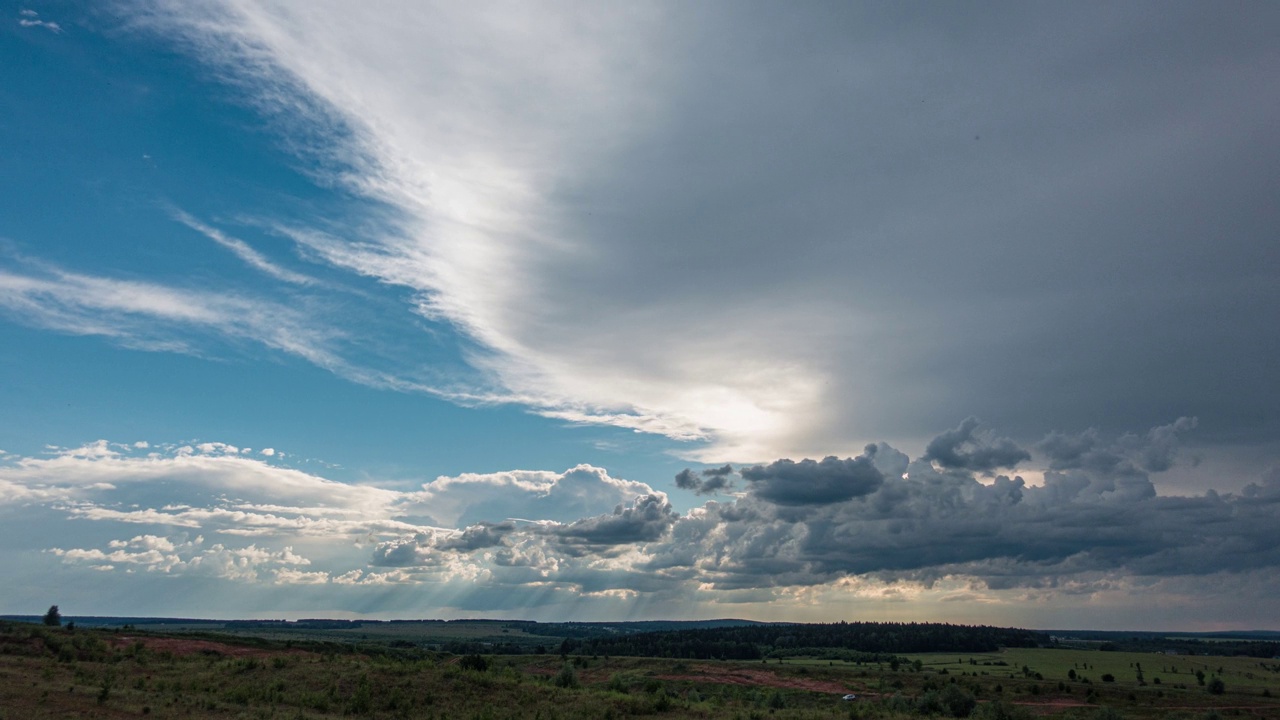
(748, 677)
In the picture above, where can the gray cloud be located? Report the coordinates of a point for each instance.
(960, 449)
(477, 537)
(713, 480)
(1123, 462)
(1005, 533)
(808, 482)
(645, 519)
(810, 523)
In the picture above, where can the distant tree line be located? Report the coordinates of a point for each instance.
(751, 642)
(1224, 647)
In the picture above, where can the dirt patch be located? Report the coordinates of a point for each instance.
(757, 678)
(185, 646)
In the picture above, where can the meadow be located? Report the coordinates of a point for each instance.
(116, 673)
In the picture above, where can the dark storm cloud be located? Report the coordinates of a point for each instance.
(808, 482)
(1071, 206)
(1123, 462)
(959, 449)
(1099, 516)
(712, 481)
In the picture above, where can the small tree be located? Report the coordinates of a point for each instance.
(1216, 686)
(53, 618)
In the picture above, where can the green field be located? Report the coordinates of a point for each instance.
(1169, 670)
(58, 673)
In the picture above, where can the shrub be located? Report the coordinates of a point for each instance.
(958, 701)
(1216, 686)
(566, 678)
(474, 662)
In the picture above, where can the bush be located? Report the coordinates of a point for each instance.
(566, 678)
(930, 703)
(1108, 677)
(1216, 686)
(958, 701)
(474, 662)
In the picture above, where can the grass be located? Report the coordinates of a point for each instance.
(1053, 664)
(55, 673)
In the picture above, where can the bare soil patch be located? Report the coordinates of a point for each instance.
(185, 646)
(758, 678)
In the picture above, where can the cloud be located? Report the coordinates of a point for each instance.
(1123, 462)
(30, 18)
(807, 482)
(207, 487)
(771, 253)
(959, 449)
(242, 250)
(479, 536)
(169, 318)
(713, 480)
(644, 520)
(161, 555)
(157, 317)
(879, 526)
(1080, 529)
(528, 494)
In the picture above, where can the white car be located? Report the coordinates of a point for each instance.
(849, 698)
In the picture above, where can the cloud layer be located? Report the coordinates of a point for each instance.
(793, 528)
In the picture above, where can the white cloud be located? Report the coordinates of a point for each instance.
(242, 250)
(153, 316)
(468, 150)
(529, 494)
(31, 18)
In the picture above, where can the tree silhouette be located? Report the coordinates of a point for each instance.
(53, 618)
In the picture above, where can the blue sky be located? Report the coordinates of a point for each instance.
(593, 311)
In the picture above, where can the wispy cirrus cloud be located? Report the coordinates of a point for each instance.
(31, 18)
(154, 316)
(242, 250)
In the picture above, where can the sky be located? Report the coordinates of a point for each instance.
(618, 311)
